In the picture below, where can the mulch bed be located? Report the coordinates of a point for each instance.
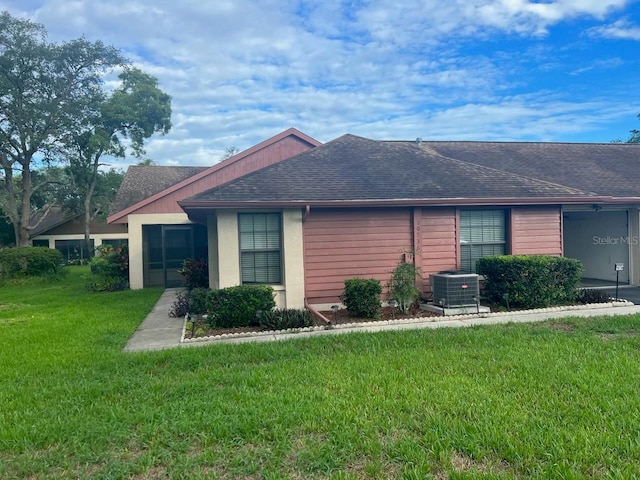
(341, 317)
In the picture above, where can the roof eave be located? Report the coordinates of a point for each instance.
(439, 202)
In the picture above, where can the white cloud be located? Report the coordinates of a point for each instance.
(622, 29)
(239, 72)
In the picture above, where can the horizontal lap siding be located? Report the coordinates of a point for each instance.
(342, 244)
(439, 244)
(536, 231)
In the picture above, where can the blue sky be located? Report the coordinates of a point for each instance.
(242, 71)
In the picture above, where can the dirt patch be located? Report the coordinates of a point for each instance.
(461, 463)
(562, 326)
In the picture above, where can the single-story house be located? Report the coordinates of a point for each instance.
(306, 220)
(65, 232)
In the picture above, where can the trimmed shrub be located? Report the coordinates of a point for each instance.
(531, 281)
(195, 272)
(591, 295)
(281, 319)
(233, 307)
(30, 262)
(362, 297)
(199, 300)
(402, 285)
(110, 269)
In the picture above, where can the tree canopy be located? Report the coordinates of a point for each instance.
(55, 108)
(132, 113)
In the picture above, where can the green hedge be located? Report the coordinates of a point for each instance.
(233, 307)
(30, 261)
(362, 297)
(531, 281)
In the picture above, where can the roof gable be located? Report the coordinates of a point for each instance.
(275, 149)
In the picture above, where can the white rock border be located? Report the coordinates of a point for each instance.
(400, 321)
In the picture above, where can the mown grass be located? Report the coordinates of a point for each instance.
(553, 400)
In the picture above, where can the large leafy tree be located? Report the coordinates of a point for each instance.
(132, 113)
(46, 90)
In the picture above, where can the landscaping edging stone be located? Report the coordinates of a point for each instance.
(380, 323)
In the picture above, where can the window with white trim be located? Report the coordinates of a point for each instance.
(260, 247)
(482, 233)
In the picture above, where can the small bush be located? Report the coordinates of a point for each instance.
(362, 297)
(591, 295)
(531, 281)
(110, 269)
(181, 306)
(402, 285)
(233, 307)
(195, 272)
(108, 284)
(111, 262)
(30, 262)
(281, 319)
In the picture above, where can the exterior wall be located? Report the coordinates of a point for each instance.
(284, 148)
(136, 222)
(227, 257)
(536, 231)
(342, 244)
(439, 238)
(212, 248)
(634, 249)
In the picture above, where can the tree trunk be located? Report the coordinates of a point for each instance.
(22, 233)
(87, 219)
(11, 208)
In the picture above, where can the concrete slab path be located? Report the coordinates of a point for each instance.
(159, 331)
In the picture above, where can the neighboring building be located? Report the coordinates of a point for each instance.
(65, 232)
(354, 207)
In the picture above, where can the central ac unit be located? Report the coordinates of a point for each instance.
(455, 289)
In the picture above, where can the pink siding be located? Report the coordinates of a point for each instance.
(536, 230)
(439, 242)
(274, 153)
(341, 244)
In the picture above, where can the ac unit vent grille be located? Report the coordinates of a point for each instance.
(457, 290)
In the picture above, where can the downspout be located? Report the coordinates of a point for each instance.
(307, 211)
(316, 313)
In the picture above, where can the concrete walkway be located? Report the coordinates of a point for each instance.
(159, 331)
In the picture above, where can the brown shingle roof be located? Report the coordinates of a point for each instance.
(611, 169)
(142, 181)
(353, 168)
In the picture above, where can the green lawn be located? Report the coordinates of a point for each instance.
(555, 400)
